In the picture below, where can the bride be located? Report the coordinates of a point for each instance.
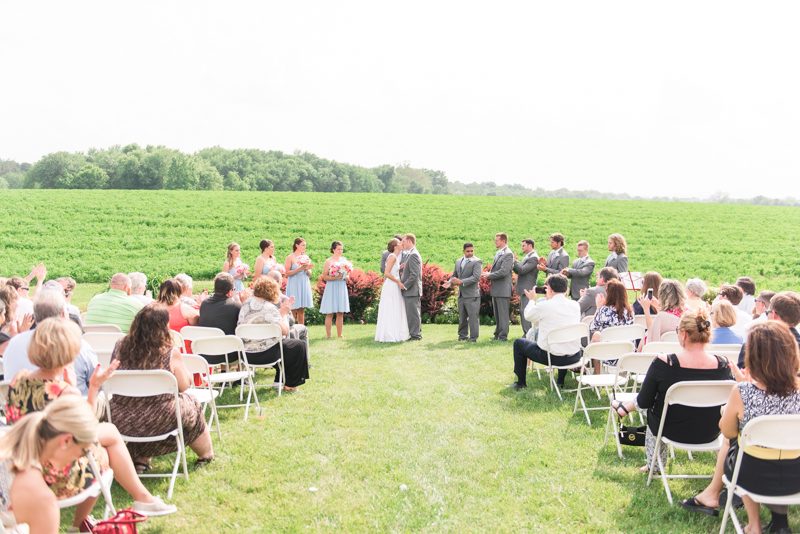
(392, 323)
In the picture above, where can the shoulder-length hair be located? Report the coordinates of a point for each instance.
(147, 339)
(617, 298)
(772, 357)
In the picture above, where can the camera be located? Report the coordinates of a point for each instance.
(539, 290)
(650, 293)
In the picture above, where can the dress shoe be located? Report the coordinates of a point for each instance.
(472, 340)
(772, 530)
(516, 386)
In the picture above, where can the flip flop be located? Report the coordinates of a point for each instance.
(696, 506)
(618, 406)
(202, 462)
(142, 467)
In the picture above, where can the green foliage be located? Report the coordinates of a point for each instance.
(54, 171)
(14, 180)
(90, 177)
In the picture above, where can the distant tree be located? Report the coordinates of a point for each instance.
(3, 183)
(54, 171)
(89, 177)
(415, 188)
(182, 173)
(233, 182)
(154, 167)
(14, 180)
(8, 166)
(385, 174)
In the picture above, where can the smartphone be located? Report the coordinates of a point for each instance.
(650, 293)
(539, 290)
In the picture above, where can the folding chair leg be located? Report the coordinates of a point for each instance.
(613, 424)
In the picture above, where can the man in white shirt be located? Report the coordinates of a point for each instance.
(762, 305)
(748, 287)
(556, 311)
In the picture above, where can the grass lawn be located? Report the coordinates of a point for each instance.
(436, 417)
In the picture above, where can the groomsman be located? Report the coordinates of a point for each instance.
(581, 271)
(558, 259)
(467, 275)
(411, 285)
(386, 253)
(527, 273)
(500, 290)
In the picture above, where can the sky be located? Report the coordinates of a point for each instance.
(678, 98)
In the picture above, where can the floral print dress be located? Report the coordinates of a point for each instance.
(26, 395)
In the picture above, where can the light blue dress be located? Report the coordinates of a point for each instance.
(238, 285)
(335, 299)
(299, 286)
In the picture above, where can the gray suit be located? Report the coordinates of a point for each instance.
(557, 261)
(469, 297)
(527, 275)
(500, 291)
(411, 278)
(384, 257)
(620, 263)
(587, 301)
(580, 274)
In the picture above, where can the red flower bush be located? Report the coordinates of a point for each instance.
(486, 309)
(363, 289)
(434, 295)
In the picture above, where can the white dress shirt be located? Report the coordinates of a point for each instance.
(554, 313)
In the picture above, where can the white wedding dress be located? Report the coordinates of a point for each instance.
(392, 322)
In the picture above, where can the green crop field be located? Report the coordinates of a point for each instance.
(90, 235)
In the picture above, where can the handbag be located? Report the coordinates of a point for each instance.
(632, 435)
(123, 522)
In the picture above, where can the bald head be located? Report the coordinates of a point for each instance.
(276, 276)
(122, 282)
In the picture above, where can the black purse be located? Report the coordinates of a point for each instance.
(632, 435)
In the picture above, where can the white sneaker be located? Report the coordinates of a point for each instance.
(155, 508)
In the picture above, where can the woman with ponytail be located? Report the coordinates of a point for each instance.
(56, 436)
(687, 425)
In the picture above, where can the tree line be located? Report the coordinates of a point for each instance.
(220, 169)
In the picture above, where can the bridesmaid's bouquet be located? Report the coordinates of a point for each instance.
(241, 268)
(280, 268)
(303, 260)
(342, 266)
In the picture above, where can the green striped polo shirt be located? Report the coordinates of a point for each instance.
(113, 307)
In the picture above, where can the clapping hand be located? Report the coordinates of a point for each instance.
(446, 284)
(99, 377)
(541, 267)
(286, 306)
(20, 325)
(600, 300)
(564, 272)
(583, 291)
(531, 294)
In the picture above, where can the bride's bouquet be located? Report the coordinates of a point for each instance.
(241, 268)
(342, 267)
(303, 260)
(280, 268)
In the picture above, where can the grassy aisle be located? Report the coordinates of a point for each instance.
(433, 416)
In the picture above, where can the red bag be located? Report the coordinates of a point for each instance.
(124, 522)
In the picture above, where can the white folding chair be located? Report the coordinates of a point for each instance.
(193, 333)
(628, 332)
(93, 328)
(778, 432)
(602, 351)
(150, 384)
(633, 363)
(103, 340)
(261, 332)
(83, 318)
(563, 334)
(104, 482)
(640, 320)
(588, 320)
(694, 394)
(669, 337)
(177, 340)
(212, 346)
(204, 394)
(662, 347)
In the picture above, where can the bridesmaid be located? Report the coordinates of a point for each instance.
(266, 260)
(298, 284)
(335, 299)
(230, 267)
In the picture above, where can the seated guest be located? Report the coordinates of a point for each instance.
(554, 312)
(15, 358)
(53, 348)
(784, 308)
(265, 307)
(588, 300)
(296, 331)
(748, 287)
(148, 346)
(22, 285)
(115, 306)
(734, 295)
(669, 306)
(684, 424)
(221, 310)
(612, 310)
(138, 287)
(187, 286)
(69, 284)
(770, 387)
(52, 285)
(723, 317)
(762, 305)
(618, 258)
(651, 280)
(180, 314)
(695, 289)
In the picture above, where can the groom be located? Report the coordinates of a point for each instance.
(411, 284)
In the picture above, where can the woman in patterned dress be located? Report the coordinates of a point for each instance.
(613, 309)
(149, 346)
(53, 347)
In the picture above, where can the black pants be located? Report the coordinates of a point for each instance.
(294, 361)
(525, 349)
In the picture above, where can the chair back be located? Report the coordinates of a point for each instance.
(773, 432)
(663, 347)
(177, 340)
(91, 328)
(635, 362)
(191, 333)
(669, 337)
(611, 350)
(715, 348)
(640, 320)
(141, 383)
(565, 334)
(83, 318)
(195, 364)
(588, 319)
(104, 341)
(628, 332)
(259, 331)
(216, 345)
(700, 393)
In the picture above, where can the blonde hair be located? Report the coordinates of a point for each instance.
(620, 246)
(55, 343)
(696, 325)
(229, 255)
(724, 313)
(68, 414)
(671, 295)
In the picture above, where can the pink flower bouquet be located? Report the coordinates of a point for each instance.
(280, 268)
(242, 268)
(303, 260)
(342, 267)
